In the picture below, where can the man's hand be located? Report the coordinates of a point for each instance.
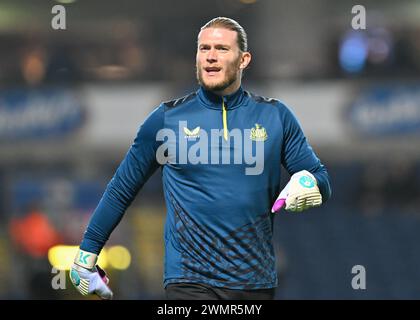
(89, 278)
(300, 193)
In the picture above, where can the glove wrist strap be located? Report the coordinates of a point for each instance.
(85, 259)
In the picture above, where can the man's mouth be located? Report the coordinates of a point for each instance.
(211, 71)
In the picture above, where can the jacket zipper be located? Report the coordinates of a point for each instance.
(225, 126)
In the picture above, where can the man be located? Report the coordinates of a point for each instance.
(218, 231)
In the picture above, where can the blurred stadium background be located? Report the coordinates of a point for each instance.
(71, 102)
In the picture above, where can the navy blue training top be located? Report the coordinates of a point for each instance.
(219, 186)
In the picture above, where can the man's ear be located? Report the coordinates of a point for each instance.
(246, 59)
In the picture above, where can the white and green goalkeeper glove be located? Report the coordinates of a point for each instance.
(300, 193)
(89, 278)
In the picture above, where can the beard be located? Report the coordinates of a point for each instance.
(231, 75)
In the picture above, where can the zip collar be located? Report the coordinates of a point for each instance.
(213, 101)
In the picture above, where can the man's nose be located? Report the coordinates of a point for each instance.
(212, 56)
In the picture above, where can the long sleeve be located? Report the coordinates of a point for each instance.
(298, 155)
(137, 166)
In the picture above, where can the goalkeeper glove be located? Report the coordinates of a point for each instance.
(89, 278)
(300, 193)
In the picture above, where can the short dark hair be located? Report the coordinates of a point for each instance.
(230, 24)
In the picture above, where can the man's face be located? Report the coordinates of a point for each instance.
(218, 59)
